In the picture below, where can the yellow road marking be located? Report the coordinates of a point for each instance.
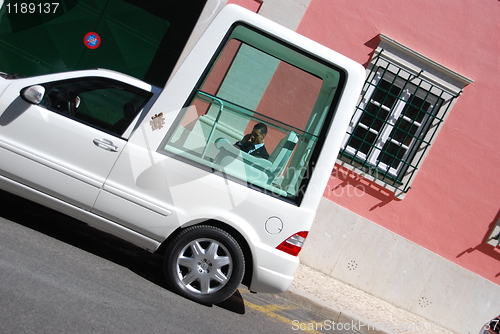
(271, 308)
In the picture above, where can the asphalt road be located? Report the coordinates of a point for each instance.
(58, 275)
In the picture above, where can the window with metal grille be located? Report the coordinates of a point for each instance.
(395, 122)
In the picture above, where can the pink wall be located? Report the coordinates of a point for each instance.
(455, 198)
(253, 5)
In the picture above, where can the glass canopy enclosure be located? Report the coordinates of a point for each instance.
(258, 79)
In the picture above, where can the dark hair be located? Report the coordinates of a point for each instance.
(262, 127)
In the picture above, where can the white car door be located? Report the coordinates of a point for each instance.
(66, 145)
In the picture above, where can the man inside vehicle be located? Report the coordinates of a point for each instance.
(253, 143)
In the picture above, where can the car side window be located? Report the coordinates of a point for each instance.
(102, 103)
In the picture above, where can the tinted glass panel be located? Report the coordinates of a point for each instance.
(140, 38)
(107, 105)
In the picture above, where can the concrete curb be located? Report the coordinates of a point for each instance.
(335, 314)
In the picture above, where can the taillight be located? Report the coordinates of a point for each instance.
(293, 245)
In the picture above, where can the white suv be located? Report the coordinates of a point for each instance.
(160, 168)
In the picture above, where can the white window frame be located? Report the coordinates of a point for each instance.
(430, 76)
(394, 114)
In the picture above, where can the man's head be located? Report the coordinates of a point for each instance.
(258, 133)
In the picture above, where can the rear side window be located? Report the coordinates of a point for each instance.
(259, 83)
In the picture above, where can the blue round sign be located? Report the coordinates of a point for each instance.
(92, 40)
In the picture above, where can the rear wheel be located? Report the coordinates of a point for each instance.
(204, 263)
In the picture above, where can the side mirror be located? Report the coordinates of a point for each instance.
(33, 94)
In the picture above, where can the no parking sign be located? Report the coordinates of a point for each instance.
(92, 40)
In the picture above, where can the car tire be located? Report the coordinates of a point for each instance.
(204, 263)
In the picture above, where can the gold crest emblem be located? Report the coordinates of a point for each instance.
(157, 121)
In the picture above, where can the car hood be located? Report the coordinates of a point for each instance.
(4, 83)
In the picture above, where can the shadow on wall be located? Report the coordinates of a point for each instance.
(372, 44)
(354, 184)
(490, 245)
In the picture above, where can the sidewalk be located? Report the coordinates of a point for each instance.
(343, 303)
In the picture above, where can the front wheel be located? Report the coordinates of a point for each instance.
(204, 264)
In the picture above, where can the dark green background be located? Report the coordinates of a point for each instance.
(142, 38)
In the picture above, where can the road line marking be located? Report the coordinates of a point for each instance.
(269, 311)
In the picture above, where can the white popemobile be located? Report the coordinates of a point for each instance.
(158, 167)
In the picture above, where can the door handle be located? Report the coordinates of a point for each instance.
(106, 145)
